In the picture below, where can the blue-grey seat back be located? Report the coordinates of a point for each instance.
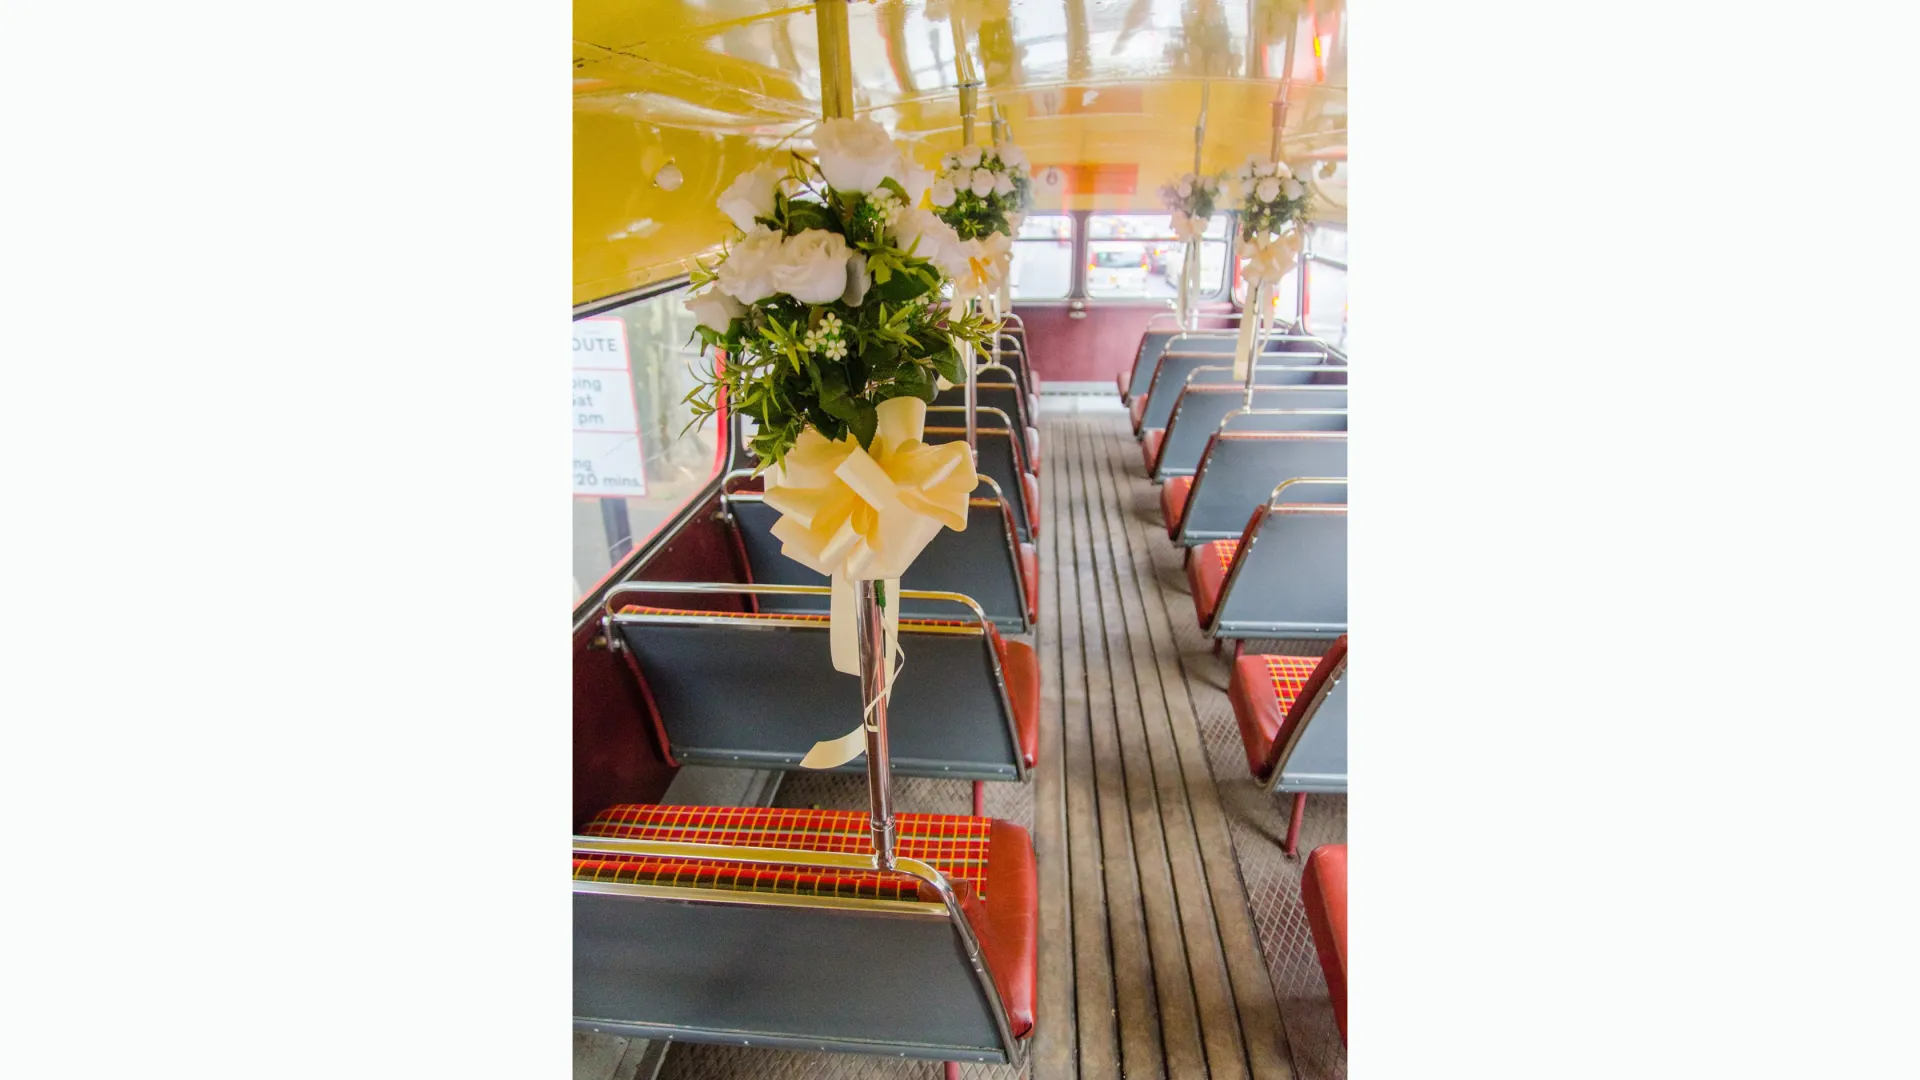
(1201, 409)
(1291, 582)
(1274, 371)
(995, 390)
(1318, 760)
(756, 692)
(979, 561)
(794, 976)
(999, 458)
(1185, 357)
(1239, 471)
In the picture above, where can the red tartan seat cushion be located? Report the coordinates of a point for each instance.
(1270, 695)
(1030, 578)
(1207, 574)
(1150, 446)
(1137, 408)
(1173, 502)
(989, 862)
(1323, 891)
(1262, 689)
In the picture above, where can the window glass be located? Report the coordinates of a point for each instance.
(634, 463)
(1042, 267)
(1327, 303)
(1330, 242)
(1132, 256)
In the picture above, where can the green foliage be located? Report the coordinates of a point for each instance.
(791, 365)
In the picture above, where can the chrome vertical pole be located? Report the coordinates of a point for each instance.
(969, 81)
(836, 102)
(873, 682)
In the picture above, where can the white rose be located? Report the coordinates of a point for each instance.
(1282, 170)
(970, 156)
(1184, 188)
(750, 196)
(1268, 190)
(812, 267)
(1263, 168)
(747, 275)
(950, 161)
(855, 155)
(714, 309)
(929, 238)
(1002, 184)
(857, 281)
(982, 183)
(962, 179)
(942, 193)
(1012, 155)
(915, 182)
(1294, 188)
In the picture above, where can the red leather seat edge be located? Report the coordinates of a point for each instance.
(1173, 502)
(1323, 891)
(1150, 447)
(1120, 382)
(1030, 574)
(1256, 707)
(1009, 926)
(1030, 484)
(1137, 410)
(1208, 580)
(1021, 668)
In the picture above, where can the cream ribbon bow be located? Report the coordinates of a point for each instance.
(1269, 259)
(860, 515)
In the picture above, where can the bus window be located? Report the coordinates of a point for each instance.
(1133, 256)
(1042, 258)
(634, 463)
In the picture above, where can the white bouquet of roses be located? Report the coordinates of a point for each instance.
(1190, 199)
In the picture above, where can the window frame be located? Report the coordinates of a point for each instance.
(623, 569)
(1077, 232)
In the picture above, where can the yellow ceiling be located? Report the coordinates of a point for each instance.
(1107, 92)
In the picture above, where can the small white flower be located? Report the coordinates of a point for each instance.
(970, 156)
(982, 183)
(1002, 184)
(830, 324)
(1268, 190)
(836, 349)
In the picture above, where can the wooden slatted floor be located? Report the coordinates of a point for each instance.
(1151, 963)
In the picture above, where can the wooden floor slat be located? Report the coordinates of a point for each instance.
(1054, 1053)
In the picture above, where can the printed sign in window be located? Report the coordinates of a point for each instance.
(606, 425)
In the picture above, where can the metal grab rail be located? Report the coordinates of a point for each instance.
(1273, 500)
(609, 617)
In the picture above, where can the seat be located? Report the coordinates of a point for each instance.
(1240, 468)
(776, 931)
(1286, 577)
(1288, 362)
(1000, 458)
(1173, 503)
(1150, 441)
(997, 387)
(1292, 713)
(985, 561)
(1323, 892)
(1201, 412)
(970, 711)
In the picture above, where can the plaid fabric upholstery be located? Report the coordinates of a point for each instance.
(1288, 674)
(1224, 551)
(905, 624)
(956, 846)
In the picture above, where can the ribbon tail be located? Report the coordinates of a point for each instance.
(833, 753)
(1249, 332)
(891, 618)
(844, 625)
